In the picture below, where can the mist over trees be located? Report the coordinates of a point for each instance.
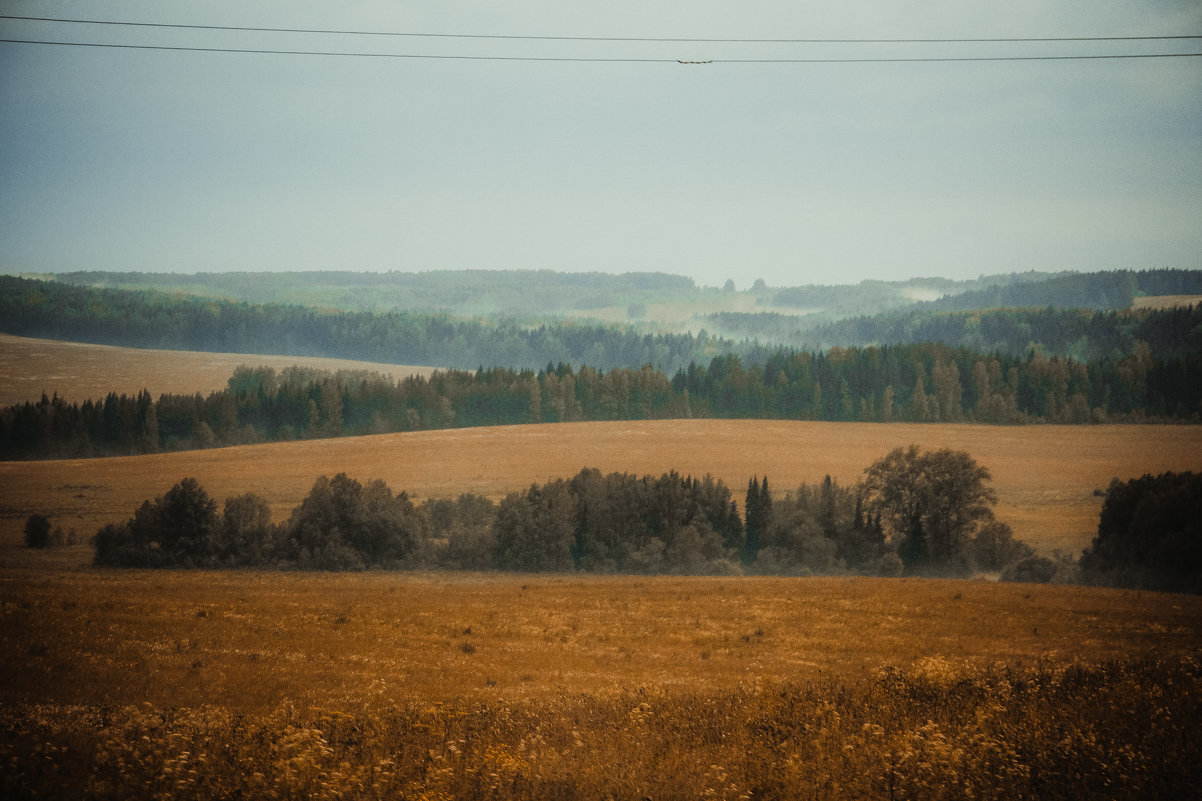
(1080, 327)
(139, 319)
(1080, 334)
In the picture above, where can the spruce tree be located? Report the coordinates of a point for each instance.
(752, 518)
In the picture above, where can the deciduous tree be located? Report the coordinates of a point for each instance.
(930, 502)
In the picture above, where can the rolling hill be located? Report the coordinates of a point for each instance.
(1045, 476)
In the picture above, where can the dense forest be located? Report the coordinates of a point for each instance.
(916, 383)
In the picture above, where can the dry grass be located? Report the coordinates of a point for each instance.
(79, 372)
(122, 684)
(250, 641)
(1045, 476)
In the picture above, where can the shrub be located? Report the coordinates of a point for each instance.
(995, 547)
(1032, 570)
(37, 531)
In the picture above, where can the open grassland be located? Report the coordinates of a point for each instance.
(121, 684)
(1045, 476)
(78, 372)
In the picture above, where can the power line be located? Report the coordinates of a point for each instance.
(600, 59)
(649, 39)
(338, 53)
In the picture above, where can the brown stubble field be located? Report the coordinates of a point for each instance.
(78, 371)
(177, 684)
(250, 641)
(1045, 476)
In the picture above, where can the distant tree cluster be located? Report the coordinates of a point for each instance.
(1149, 535)
(595, 523)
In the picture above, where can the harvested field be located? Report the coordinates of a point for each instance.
(168, 684)
(250, 641)
(79, 372)
(1045, 476)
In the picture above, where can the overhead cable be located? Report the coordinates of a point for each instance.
(599, 59)
(649, 39)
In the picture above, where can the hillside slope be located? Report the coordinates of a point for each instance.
(1045, 476)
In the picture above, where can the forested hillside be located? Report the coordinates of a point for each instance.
(57, 310)
(514, 293)
(140, 319)
(1081, 334)
(538, 294)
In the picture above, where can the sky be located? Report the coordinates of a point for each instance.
(796, 173)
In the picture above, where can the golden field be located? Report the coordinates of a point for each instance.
(77, 371)
(246, 684)
(125, 684)
(1045, 476)
(249, 641)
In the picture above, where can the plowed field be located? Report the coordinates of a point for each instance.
(1045, 476)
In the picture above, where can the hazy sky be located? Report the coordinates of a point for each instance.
(796, 173)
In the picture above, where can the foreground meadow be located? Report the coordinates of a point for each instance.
(1048, 478)
(189, 684)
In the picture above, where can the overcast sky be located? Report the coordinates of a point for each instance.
(133, 159)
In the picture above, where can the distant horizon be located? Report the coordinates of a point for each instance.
(549, 271)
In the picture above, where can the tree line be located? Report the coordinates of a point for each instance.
(914, 513)
(145, 319)
(914, 383)
(515, 293)
(923, 513)
(1116, 289)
